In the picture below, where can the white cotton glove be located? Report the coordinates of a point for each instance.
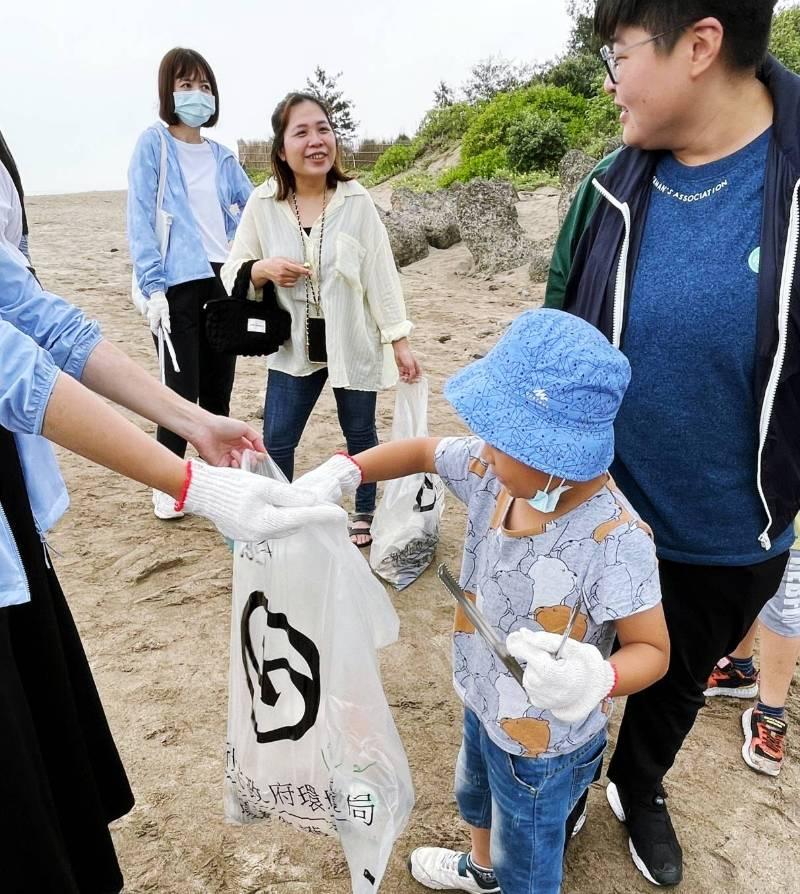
(249, 507)
(569, 687)
(337, 477)
(157, 311)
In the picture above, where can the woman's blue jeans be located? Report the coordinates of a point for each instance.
(288, 405)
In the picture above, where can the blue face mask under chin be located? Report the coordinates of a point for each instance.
(194, 107)
(547, 501)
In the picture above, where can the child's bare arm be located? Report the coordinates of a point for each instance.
(341, 474)
(397, 459)
(644, 654)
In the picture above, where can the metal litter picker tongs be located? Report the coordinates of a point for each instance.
(480, 623)
(483, 627)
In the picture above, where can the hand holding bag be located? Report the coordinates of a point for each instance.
(236, 325)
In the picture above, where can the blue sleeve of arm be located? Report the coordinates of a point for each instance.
(26, 383)
(143, 244)
(243, 187)
(52, 323)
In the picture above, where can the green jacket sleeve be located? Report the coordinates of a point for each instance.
(580, 213)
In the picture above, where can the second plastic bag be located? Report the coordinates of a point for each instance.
(405, 530)
(311, 739)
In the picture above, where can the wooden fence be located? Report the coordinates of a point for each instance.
(254, 154)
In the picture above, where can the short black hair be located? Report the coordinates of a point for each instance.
(746, 23)
(181, 62)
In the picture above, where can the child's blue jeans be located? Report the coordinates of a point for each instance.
(525, 801)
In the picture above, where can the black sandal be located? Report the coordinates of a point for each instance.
(360, 532)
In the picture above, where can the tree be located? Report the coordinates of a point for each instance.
(326, 88)
(784, 43)
(494, 75)
(582, 38)
(443, 96)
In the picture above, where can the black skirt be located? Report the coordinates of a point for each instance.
(61, 778)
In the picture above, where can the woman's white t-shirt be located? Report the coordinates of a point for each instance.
(10, 217)
(199, 167)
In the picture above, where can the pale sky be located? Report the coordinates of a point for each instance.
(79, 79)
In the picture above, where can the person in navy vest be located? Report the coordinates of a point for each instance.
(682, 248)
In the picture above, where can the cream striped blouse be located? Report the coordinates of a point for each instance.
(362, 300)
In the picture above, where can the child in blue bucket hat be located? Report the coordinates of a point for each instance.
(548, 532)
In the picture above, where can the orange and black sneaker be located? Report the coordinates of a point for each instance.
(727, 679)
(764, 741)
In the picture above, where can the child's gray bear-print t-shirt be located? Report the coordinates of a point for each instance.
(601, 550)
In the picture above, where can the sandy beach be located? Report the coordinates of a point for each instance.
(152, 602)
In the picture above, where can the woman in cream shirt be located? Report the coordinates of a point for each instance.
(317, 236)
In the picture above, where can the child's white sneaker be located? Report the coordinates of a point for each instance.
(441, 869)
(164, 506)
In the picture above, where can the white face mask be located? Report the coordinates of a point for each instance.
(194, 107)
(547, 501)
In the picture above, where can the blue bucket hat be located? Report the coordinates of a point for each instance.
(546, 394)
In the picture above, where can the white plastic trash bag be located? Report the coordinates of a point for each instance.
(405, 529)
(311, 739)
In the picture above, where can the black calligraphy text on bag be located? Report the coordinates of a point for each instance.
(427, 493)
(309, 687)
(236, 325)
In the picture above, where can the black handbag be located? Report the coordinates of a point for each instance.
(236, 325)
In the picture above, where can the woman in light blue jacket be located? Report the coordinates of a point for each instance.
(61, 779)
(204, 193)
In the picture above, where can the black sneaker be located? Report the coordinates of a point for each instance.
(653, 844)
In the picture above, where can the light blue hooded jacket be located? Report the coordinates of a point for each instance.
(40, 335)
(186, 258)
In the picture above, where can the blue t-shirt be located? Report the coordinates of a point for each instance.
(687, 431)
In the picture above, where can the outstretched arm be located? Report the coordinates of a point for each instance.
(342, 474)
(219, 440)
(243, 506)
(77, 419)
(398, 459)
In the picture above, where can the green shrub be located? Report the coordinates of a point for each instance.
(491, 127)
(531, 181)
(442, 127)
(784, 43)
(487, 164)
(602, 123)
(394, 160)
(257, 177)
(417, 181)
(582, 74)
(537, 142)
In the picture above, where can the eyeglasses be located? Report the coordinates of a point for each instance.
(609, 57)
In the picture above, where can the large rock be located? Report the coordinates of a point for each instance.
(575, 165)
(406, 236)
(436, 212)
(489, 226)
(541, 256)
